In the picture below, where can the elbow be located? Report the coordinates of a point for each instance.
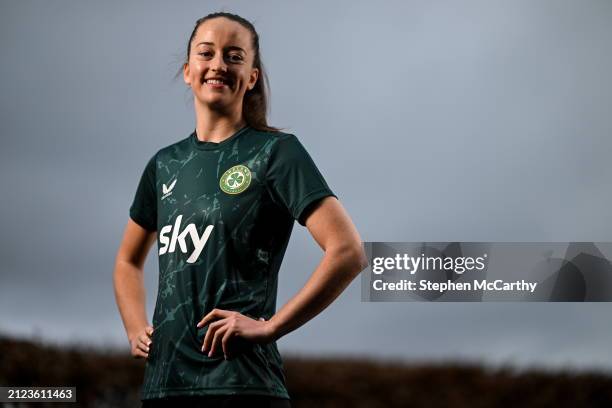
(354, 256)
(361, 259)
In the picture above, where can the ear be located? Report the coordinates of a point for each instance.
(253, 79)
(186, 74)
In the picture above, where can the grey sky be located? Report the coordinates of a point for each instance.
(432, 121)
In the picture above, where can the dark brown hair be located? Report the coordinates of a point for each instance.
(255, 102)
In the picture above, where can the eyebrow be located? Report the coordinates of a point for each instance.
(230, 47)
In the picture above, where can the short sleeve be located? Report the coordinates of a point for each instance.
(293, 179)
(144, 206)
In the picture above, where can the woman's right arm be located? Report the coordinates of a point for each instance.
(129, 286)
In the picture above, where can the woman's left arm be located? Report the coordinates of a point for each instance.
(344, 259)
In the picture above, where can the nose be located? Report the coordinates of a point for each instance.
(218, 63)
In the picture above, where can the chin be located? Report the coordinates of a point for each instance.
(215, 102)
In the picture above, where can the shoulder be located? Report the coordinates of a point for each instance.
(165, 152)
(174, 147)
(279, 143)
(271, 137)
(270, 144)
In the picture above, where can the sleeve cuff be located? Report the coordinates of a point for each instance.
(142, 221)
(306, 205)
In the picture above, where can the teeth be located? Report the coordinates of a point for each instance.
(214, 81)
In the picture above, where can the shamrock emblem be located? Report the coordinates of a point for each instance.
(235, 179)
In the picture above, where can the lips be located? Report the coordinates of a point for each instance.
(218, 81)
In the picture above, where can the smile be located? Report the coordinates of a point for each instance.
(217, 82)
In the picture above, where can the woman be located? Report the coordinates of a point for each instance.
(222, 203)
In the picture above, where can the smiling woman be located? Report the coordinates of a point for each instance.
(224, 68)
(224, 200)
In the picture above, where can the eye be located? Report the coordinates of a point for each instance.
(205, 53)
(236, 57)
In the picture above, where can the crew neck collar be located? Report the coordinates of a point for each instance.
(197, 143)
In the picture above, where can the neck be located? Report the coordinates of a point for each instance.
(216, 126)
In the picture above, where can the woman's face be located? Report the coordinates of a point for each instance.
(220, 68)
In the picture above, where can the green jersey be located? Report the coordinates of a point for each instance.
(223, 213)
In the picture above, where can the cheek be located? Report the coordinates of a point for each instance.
(195, 71)
(243, 81)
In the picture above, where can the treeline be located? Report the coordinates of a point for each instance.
(108, 378)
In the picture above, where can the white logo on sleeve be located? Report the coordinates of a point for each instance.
(167, 190)
(169, 245)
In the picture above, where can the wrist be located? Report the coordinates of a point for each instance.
(131, 336)
(134, 332)
(273, 330)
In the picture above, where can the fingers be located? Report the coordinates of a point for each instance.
(224, 342)
(143, 344)
(220, 332)
(208, 338)
(217, 339)
(146, 341)
(139, 354)
(214, 314)
(141, 350)
(146, 337)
